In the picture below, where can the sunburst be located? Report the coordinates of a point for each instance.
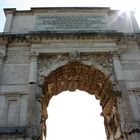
(127, 9)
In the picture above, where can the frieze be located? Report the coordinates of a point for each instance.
(104, 60)
(39, 37)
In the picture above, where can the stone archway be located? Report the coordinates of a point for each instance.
(76, 75)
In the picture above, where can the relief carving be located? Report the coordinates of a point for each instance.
(112, 123)
(104, 60)
(94, 82)
(44, 116)
(47, 64)
(34, 55)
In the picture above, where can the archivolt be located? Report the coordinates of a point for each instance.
(75, 75)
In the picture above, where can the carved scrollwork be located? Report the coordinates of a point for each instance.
(34, 55)
(112, 119)
(45, 63)
(116, 53)
(104, 60)
(48, 63)
(70, 77)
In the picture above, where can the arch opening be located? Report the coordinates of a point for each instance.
(75, 75)
(75, 115)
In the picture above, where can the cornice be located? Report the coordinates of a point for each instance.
(40, 37)
(9, 11)
(70, 9)
(56, 9)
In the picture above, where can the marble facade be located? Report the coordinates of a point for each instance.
(44, 51)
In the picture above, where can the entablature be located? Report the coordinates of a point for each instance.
(42, 37)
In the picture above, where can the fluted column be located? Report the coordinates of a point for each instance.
(34, 130)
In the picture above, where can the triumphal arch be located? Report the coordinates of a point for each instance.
(44, 51)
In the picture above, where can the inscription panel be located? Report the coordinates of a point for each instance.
(70, 22)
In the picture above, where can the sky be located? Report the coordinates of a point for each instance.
(26, 4)
(75, 116)
(68, 110)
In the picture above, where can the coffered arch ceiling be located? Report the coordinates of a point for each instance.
(76, 75)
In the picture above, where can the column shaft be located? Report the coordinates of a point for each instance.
(117, 68)
(33, 68)
(34, 128)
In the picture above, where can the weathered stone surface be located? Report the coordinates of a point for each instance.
(16, 72)
(71, 22)
(77, 48)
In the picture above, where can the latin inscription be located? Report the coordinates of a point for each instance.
(70, 22)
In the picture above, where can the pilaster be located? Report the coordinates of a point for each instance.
(124, 105)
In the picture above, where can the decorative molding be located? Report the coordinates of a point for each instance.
(94, 82)
(13, 98)
(13, 94)
(33, 55)
(47, 64)
(13, 131)
(40, 37)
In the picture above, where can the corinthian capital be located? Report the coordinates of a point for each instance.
(116, 54)
(34, 55)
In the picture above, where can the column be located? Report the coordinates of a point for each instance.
(125, 107)
(34, 130)
(117, 67)
(33, 68)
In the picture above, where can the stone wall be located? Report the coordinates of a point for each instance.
(96, 19)
(26, 58)
(14, 91)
